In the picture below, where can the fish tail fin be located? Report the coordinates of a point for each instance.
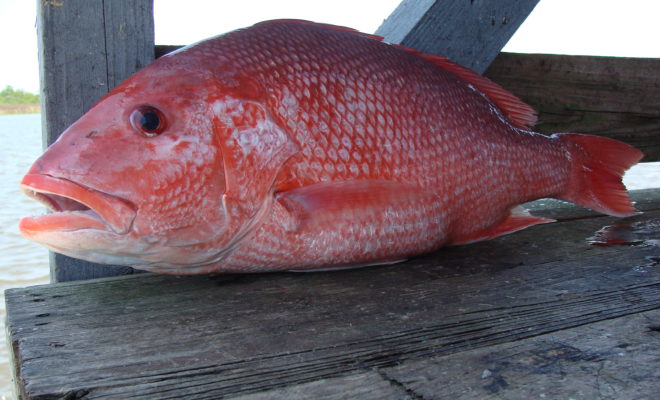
(597, 167)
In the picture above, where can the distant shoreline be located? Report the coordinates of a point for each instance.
(19, 109)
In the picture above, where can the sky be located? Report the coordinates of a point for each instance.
(578, 27)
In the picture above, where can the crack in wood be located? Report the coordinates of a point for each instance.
(394, 382)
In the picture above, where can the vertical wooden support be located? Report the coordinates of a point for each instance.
(469, 32)
(87, 47)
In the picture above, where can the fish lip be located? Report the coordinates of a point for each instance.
(91, 208)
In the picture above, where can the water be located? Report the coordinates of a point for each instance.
(641, 233)
(24, 263)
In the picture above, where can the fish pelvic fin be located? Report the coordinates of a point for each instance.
(597, 167)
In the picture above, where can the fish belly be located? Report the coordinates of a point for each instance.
(340, 224)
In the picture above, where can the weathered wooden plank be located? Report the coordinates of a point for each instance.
(612, 359)
(162, 49)
(156, 336)
(129, 37)
(86, 47)
(471, 33)
(71, 81)
(615, 359)
(364, 386)
(608, 96)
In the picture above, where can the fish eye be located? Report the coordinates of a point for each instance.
(148, 120)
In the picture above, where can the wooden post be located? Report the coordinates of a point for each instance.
(470, 33)
(86, 47)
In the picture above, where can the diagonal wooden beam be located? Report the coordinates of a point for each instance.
(470, 32)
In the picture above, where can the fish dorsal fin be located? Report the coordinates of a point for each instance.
(520, 114)
(338, 28)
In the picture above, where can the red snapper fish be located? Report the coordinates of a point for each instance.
(293, 145)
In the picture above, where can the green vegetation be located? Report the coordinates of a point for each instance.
(17, 101)
(9, 95)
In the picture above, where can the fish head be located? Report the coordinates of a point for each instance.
(139, 179)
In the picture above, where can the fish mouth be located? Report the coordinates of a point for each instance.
(74, 207)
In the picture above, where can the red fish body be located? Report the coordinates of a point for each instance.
(294, 145)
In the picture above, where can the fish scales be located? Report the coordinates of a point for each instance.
(296, 145)
(399, 142)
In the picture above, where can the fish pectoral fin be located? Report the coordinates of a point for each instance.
(518, 219)
(358, 202)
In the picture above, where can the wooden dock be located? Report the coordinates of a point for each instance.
(565, 310)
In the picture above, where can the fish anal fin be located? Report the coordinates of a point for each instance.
(517, 220)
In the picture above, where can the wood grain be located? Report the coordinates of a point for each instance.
(162, 337)
(611, 359)
(607, 96)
